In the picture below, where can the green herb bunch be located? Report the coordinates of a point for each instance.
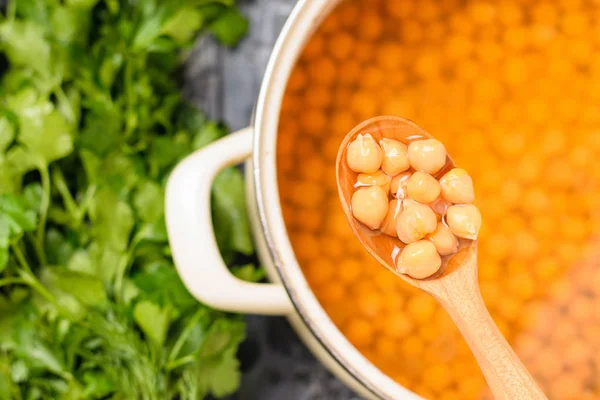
(91, 123)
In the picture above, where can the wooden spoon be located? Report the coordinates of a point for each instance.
(455, 286)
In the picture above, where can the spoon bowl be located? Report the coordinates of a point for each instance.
(382, 247)
(454, 286)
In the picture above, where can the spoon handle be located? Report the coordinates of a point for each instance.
(504, 372)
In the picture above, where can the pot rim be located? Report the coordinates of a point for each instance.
(302, 22)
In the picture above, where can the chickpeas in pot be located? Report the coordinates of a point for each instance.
(537, 59)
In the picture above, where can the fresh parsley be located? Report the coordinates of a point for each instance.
(91, 124)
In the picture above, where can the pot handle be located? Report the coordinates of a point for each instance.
(192, 240)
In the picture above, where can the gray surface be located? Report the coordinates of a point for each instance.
(225, 83)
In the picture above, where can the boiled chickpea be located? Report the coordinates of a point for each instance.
(398, 185)
(377, 179)
(371, 26)
(364, 154)
(370, 206)
(415, 221)
(464, 221)
(388, 226)
(359, 331)
(423, 187)
(421, 308)
(439, 377)
(397, 325)
(457, 186)
(427, 155)
(444, 240)
(395, 159)
(419, 260)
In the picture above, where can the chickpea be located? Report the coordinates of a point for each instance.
(364, 154)
(370, 206)
(348, 75)
(421, 308)
(359, 331)
(319, 271)
(341, 45)
(306, 194)
(398, 185)
(388, 226)
(444, 240)
(415, 221)
(565, 386)
(419, 260)
(457, 186)
(314, 48)
(397, 325)
(323, 70)
(464, 221)
(297, 80)
(395, 159)
(428, 155)
(348, 270)
(377, 179)
(384, 347)
(342, 122)
(423, 187)
(439, 377)
(372, 77)
(371, 27)
(363, 105)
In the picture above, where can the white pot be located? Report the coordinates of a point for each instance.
(193, 243)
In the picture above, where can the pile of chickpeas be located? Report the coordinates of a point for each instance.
(399, 195)
(512, 88)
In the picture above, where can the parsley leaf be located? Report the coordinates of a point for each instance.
(15, 219)
(230, 27)
(230, 217)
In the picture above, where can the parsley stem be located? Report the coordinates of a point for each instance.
(45, 203)
(58, 180)
(12, 281)
(21, 258)
(86, 203)
(31, 280)
(64, 101)
(179, 362)
(185, 333)
(130, 98)
(123, 266)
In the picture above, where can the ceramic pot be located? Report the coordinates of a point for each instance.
(193, 243)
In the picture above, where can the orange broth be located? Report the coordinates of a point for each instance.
(512, 87)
